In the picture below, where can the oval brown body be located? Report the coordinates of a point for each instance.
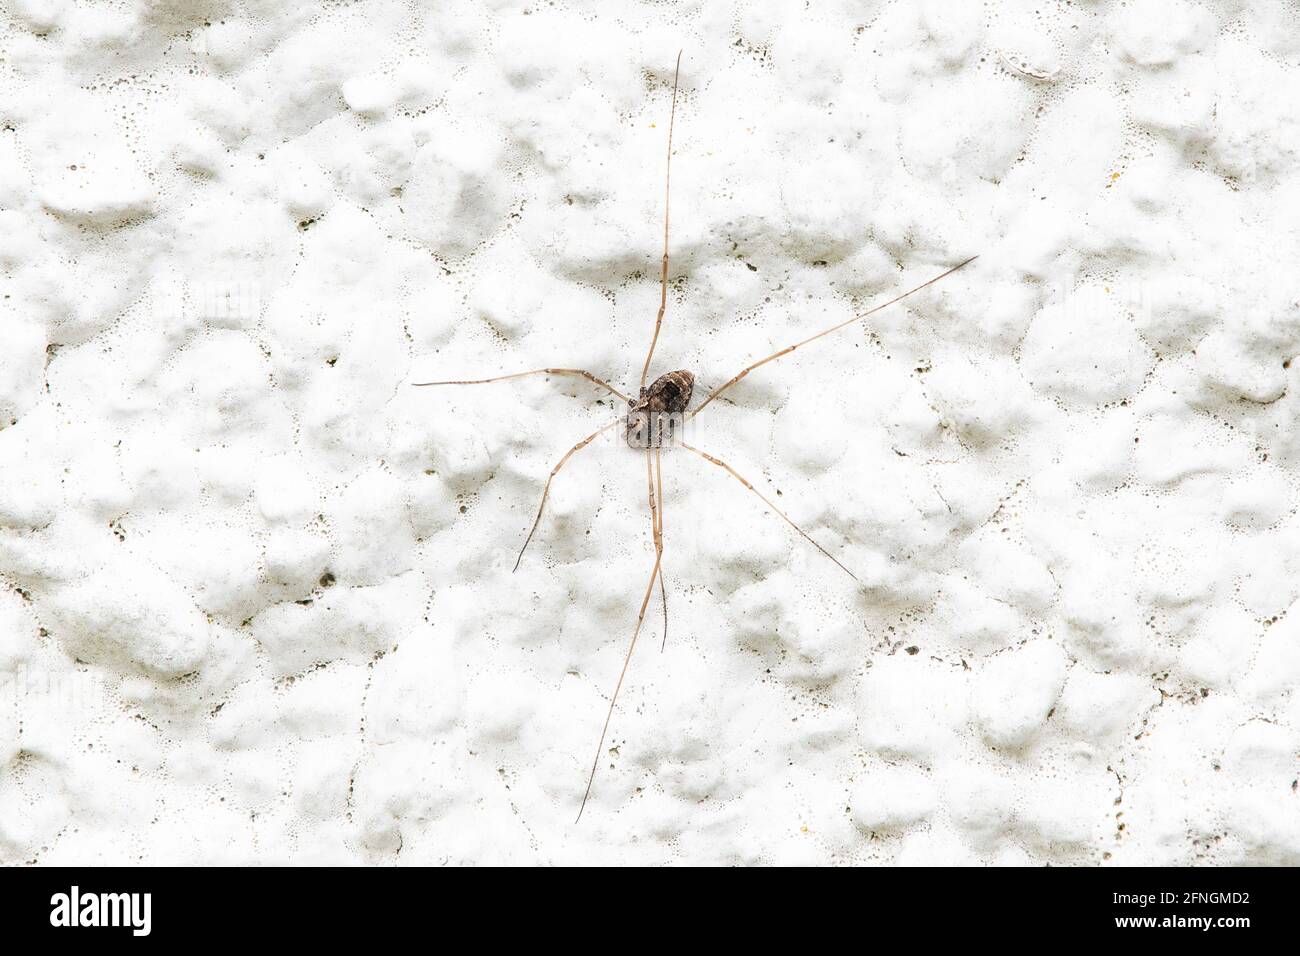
(654, 418)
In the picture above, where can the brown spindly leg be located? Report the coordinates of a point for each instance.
(576, 372)
(790, 348)
(547, 489)
(645, 601)
(655, 483)
(656, 529)
(663, 272)
(740, 478)
(659, 488)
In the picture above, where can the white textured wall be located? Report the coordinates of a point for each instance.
(256, 597)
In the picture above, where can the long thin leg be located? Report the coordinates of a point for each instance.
(645, 601)
(790, 348)
(659, 487)
(663, 593)
(663, 273)
(735, 474)
(663, 600)
(538, 371)
(547, 490)
(656, 530)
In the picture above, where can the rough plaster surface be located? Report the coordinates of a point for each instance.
(257, 602)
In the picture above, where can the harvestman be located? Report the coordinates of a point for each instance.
(653, 419)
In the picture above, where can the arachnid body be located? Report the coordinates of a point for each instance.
(654, 421)
(655, 418)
